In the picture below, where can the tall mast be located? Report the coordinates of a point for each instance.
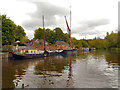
(44, 34)
(69, 31)
(70, 23)
(70, 17)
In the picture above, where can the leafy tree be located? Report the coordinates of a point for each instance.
(59, 34)
(50, 36)
(38, 33)
(11, 32)
(66, 37)
(8, 27)
(84, 43)
(24, 40)
(112, 40)
(19, 33)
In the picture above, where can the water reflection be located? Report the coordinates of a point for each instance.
(13, 71)
(54, 67)
(97, 69)
(55, 64)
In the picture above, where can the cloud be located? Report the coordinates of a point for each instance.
(95, 23)
(95, 15)
(54, 16)
(89, 27)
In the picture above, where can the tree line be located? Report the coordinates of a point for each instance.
(11, 33)
(110, 41)
(51, 36)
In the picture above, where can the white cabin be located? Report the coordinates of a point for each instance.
(31, 51)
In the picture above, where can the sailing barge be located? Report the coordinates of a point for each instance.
(71, 50)
(28, 54)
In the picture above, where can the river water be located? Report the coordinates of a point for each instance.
(96, 69)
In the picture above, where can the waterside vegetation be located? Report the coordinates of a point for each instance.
(11, 33)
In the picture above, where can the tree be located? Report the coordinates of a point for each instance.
(19, 33)
(24, 40)
(112, 40)
(8, 27)
(50, 36)
(10, 31)
(84, 43)
(38, 33)
(66, 37)
(59, 34)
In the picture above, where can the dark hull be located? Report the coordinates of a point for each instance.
(74, 51)
(69, 52)
(28, 56)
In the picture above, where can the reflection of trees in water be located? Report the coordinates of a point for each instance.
(50, 64)
(53, 67)
(112, 58)
(11, 76)
(12, 72)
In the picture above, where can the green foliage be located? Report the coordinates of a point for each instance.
(51, 36)
(8, 27)
(11, 32)
(112, 40)
(19, 33)
(76, 43)
(38, 33)
(24, 40)
(118, 39)
(59, 34)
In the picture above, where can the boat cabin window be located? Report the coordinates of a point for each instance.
(31, 51)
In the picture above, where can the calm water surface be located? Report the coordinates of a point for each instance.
(96, 69)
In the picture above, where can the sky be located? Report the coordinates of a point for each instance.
(89, 18)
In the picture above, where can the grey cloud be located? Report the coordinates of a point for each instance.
(49, 11)
(95, 23)
(89, 27)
